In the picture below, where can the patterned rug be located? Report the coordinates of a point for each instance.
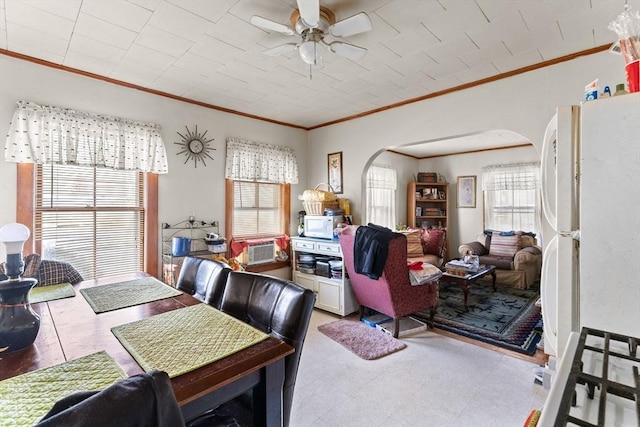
(506, 317)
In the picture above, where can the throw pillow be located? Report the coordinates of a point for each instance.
(414, 246)
(31, 265)
(433, 240)
(505, 246)
(56, 272)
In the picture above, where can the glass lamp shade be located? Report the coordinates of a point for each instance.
(13, 236)
(310, 51)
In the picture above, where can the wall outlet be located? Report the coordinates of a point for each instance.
(215, 223)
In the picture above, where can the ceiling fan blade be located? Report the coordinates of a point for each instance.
(309, 12)
(355, 24)
(347, 50)
(268, 24)
(280, 50)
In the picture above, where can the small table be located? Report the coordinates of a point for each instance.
(465, 281)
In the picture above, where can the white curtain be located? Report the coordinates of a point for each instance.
(382, 183)
(54, 135)
(253, 161)
(512, 197)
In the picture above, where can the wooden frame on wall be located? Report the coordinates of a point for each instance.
(466, 197)
(334, 171)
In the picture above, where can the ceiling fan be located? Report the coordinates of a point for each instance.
(313, 23)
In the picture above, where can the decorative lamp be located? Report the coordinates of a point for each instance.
(19, 324)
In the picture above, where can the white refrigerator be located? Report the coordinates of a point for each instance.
(591, 201)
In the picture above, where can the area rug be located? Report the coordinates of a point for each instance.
(506, 318)
(362, 340)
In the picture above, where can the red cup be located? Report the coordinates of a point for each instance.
(633, 76)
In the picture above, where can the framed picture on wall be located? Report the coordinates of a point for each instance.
(466, 192)
(334, 165)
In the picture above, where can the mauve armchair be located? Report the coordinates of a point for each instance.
(392, 294)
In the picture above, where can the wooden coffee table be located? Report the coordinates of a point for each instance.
(465, 281)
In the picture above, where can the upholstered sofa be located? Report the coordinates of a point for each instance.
(515, 254)
(426, 245)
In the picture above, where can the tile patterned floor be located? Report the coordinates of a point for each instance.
(435, 381)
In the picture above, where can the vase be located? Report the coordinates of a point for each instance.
(19, 324)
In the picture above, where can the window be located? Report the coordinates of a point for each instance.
(93, 218)
(381, 196)
(258, 210)
(512, 197)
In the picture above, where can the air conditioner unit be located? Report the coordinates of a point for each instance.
(261, 253)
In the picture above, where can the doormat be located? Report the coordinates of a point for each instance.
(364, 341)
(507, 318)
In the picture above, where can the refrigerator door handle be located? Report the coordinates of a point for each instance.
(574, 234)
(549, 296)
(549, 180)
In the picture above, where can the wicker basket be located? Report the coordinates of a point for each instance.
(317, 208)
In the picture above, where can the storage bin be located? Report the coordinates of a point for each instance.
(427, 177)
(180, 246)
(322, 268)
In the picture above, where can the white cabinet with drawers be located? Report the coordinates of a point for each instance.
(334, 295)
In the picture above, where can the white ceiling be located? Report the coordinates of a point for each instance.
(469, 143)
(206, 50)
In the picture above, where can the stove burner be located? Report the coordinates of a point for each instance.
(603, 373)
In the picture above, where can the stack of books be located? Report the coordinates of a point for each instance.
(460, 268)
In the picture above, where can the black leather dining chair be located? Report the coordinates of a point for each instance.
(278, 307)
(143, 400)
(203, 278)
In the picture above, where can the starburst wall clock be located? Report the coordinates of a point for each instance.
(195, 146)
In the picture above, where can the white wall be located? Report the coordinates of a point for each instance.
(522, 104)
(185, 190)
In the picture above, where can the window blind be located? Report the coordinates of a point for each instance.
(258, 210)
(92, 218)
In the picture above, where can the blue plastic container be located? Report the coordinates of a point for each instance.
(180, 246)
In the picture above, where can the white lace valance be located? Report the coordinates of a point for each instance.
(253, 161)
(54, 135)
(518, 176)
(382, 177)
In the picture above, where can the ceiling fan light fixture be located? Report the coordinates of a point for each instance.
(310, 52)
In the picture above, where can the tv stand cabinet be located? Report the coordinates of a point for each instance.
(333, 295)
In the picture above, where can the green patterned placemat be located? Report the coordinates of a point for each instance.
(51, 292)
(25, 399)
(126, 294)
(185, 339)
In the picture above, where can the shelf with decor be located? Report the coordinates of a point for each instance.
(428, 205)
(192, 240)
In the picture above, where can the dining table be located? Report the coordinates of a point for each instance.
(70, 329)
